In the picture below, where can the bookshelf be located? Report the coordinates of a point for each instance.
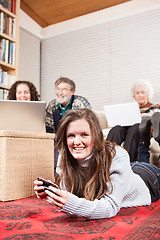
(9, 42)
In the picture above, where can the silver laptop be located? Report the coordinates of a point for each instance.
(22, 115)
(125, 114)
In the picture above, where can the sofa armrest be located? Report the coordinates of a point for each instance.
(102, 119)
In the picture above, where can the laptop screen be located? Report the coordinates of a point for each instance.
(22, 115)
(126, 114)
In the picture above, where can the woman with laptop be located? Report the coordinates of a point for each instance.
(135, 141)
(23, 91)
(23, 105)
(97, 179)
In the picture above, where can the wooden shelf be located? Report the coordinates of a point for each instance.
(3, 35)
(7, 66)
(4, 87)
(10, 14)
(13, 40)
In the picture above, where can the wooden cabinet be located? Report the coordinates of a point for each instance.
(9, 42)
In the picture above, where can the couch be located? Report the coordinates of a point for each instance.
(154, 147)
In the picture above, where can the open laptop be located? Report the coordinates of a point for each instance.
(22, 115)
(125, 114)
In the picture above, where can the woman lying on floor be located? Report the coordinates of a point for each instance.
(96, 177)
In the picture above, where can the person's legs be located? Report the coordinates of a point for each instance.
(128, 135)
(117, 134)
(156, 126)
(143, 153)
(131, 141)
(150, 175)
(144, 140)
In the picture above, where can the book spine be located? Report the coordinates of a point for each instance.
(3, 49)
(2, 19)
(2, 77)
(14, 6)
(10, 53)
(10, 5)
(13, 30)
(13, 53)
(6, 51)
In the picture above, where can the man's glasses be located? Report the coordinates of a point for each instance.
(63, 90)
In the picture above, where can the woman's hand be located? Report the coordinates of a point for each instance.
(39, 189)
(57, 197)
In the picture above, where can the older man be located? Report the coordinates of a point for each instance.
(65, 100)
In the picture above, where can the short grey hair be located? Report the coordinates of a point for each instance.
(66, 80)
(145, 85)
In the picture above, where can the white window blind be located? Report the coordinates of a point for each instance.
(105, 59)
(82, 56)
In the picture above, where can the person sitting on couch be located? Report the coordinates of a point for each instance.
(149, 127)
(97, 179)
(23, 91)
(65, 100)
(142, 92)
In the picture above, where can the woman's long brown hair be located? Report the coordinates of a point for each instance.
(90, 184)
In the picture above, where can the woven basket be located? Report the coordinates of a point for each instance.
(24, 156)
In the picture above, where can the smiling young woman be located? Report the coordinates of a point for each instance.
(96, 177)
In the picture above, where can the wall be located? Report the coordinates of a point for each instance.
(103, 52)
(29, 58)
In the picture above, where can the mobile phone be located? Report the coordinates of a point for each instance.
(46, 184)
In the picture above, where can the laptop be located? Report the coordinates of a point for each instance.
(22, 115)
(125, 114)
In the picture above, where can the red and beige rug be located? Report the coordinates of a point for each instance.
(31, 218)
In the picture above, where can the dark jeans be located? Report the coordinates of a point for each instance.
(128, 135)
(143, 153)
(151, 176)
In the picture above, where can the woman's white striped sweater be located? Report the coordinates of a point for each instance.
(128, 190)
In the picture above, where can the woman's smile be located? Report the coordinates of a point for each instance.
(79, 139)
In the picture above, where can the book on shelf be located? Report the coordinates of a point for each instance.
(5, 20)
(3, 94)
(7, 45)
(10, 5)
(7, 25)
(3, 46)
(7, 51)
(1, 19)
(6, 79)
(13, 54)
(10, 53)
(13, 28)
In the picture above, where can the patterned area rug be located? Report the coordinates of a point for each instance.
(31, 218)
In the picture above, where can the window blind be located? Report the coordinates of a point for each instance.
(105, 59)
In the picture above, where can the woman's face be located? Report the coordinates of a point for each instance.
(141, 96)
(79, 139)
(23, 93)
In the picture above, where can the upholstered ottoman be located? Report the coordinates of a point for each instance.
(24, 156)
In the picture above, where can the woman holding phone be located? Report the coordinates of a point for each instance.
(96, 178)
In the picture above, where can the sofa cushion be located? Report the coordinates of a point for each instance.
(102, 119)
